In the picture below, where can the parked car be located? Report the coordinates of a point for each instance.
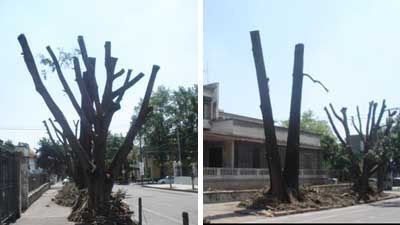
(166, 180)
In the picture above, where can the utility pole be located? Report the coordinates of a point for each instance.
(179, 151)
(141, 158)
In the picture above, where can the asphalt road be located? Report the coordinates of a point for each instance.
(387, 211)
(161, 206)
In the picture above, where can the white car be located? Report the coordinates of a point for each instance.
(166, 180)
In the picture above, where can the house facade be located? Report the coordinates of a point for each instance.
(234, 155)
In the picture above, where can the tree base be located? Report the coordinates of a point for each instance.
(115, 212)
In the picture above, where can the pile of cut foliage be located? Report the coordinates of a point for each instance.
(116, 212)
(67, 196)
(312, 197)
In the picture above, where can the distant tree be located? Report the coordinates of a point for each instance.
(113, 143)
(310, 122)
(7, 145)
(185, 113)
(51, 157)
(172, 111)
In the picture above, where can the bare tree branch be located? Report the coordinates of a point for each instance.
(76, 127)
(90, 64)
(126, 147)
(368, 120)
(373, 124)
(41, 89)
(49, 133)
(64, 82)
(58, 132)
(345, 123)
(120, 91)
(84, 92)
(335, 114)
(109, 63)
(356, 128)
(360, 125)
(316, 81)
(118, 74)
(334, 127)
(128, 77)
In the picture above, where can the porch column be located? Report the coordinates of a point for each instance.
(232, 153)
(229, 151)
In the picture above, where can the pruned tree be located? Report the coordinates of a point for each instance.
(372, 156)
(69, 158)
(284, 183)
(95, 115)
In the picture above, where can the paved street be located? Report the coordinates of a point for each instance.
(161, 206)
(387, 211)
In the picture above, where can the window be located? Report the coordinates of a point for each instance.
(207, 110)
(307, 161)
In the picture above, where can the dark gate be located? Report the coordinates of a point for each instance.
(8, 186)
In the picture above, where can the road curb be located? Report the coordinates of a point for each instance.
(169, 189)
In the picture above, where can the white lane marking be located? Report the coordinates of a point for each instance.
(161, 215)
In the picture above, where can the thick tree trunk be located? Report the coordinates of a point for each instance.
(381, 178)
(277, 184)
(291, 172)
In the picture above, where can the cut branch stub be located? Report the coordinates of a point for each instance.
(334, 126)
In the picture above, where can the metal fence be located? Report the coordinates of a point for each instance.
(8, 186)
(37, 180)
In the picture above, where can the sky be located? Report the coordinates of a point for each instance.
(142, 33)
(351, 46)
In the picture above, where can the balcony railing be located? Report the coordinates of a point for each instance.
(213, 172)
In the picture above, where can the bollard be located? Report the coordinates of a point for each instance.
(185, 217)
(170, 182)
(140, 211)
(192, 181)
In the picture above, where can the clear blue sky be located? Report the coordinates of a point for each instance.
(353, 47)
(142, 33)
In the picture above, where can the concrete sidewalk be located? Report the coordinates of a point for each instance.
(45, 212)
(175, 187)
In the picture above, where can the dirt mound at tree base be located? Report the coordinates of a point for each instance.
(116, 211)
(67, 196)
(312, 198)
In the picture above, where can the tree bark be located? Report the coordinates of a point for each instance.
(291, 171)
(277, 184)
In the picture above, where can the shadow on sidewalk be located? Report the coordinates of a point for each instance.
(387, 204)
